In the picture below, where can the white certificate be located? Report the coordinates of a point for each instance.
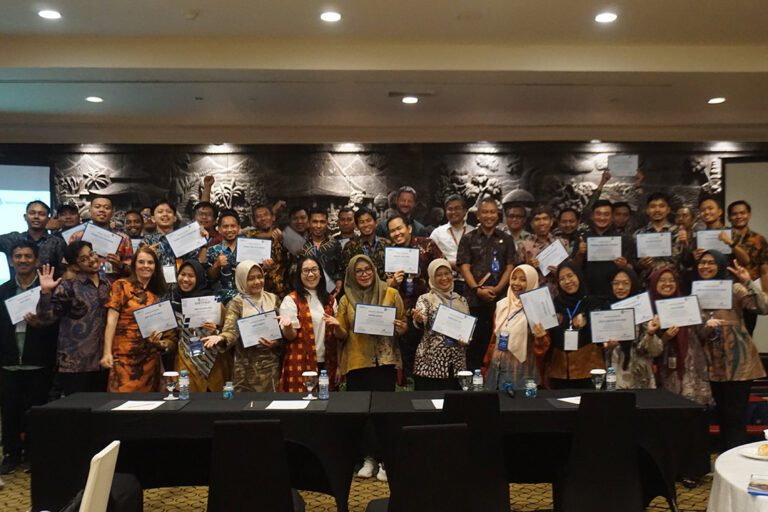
(612, 324)
(454, 324)
(623, 165)
(539, 308)
(401, 258)
(185, 240)
(680, 311)
(374, 320)
(713, 293)
(603, 248)
(23, 303)
(198, 310)
(169, 273)
(708, 239)
(253, 328)
(654, 245)
(157, 317)
(552, 255)
(67, 233)
(102, 240)
(641, 303)
(256, 249)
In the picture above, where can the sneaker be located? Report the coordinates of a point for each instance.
(369, 466)
(381, 476)
(9, 465)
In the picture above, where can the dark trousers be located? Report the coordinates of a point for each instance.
(731, 398)
(429, 384)
(408, 344)
(378, 378)
(82, 382)
(481, 338)
(750, 321)
(19, 391)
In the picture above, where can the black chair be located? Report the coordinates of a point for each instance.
(489, 480)
(249, 469)
(433, 463)
(602, 471)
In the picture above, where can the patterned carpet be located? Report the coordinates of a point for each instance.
(14, 497)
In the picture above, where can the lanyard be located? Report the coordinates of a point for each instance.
(375, 245)
(314, 248)
(260, 308)
(509, 318)
(573, 312)
(463, 232)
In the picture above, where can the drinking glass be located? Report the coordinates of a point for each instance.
(465, 379)
(310, 381)
(170, 384)
(598, 376)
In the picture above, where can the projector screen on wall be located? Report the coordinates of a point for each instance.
(20, 184)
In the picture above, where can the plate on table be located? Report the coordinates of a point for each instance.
(751, 452)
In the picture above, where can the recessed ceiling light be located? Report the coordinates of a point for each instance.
(410, 100)
(94, 99)
(595, 141)
(49, 14)
(330, 16)
(606, 17)
(716, 101)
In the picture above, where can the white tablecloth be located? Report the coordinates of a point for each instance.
(729, 487)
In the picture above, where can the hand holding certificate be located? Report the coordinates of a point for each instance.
(454, 324)
(20, 305)
(185, 240)
(679, 311)
(710, 239)
(401, 258)
(603, 248)
(623, 165)
(654, 245)
(714, 293)
(612, 325)
(254, 328)
(199, 310)
(102, 240)
(157, 317)
(551, 256)
(255, 249)
(374, 320)
(641, 303)
(67, 233)
(539, 308)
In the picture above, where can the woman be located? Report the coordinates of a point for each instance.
(732, 358)
(633, 360)
(257, 368)
(438, 358)
(572, 354)
(211, 369)
(370, 363)
(310, 347)
(682, 368)
(134, 362)
(519, 360)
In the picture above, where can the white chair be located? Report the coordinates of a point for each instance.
(99, 484)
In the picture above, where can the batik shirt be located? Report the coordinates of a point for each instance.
(226, 288)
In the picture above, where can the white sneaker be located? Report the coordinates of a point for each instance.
(381, 476)
(369, 466)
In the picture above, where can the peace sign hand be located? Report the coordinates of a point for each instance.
(741, 273)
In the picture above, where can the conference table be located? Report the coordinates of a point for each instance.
(171, 446)
(729, 486)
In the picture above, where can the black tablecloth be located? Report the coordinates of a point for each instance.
(173, 447)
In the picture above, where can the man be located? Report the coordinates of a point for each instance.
(326, 250)
(346, 223)
(164, 217)
(516, 216)
(205, 215)
(27, 357)
(134, 227)
(685, 218)
(77, 305)
(264, 221)
(597, 273)
(622, 215)
(486, 257)
(448, 236)
(101, 213)
(68, 216)
(749, 248)
(568, 228)
(405, 202)
(711, 214)
(411, 286)
(222, 257)
(149, 225)
(49, 247)
(657, 210)
(528, 250)
(367, 243)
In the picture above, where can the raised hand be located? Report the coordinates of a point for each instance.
(47, 283)
(741, 273)
(208, 181)
(539, 331)
(653, 325)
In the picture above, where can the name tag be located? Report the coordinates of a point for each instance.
(571, 340)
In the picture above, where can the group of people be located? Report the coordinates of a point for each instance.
(84, 335)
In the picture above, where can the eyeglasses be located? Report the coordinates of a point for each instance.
(310, 271)
(363, 271)
(703, 263)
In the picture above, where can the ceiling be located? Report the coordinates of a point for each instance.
(177, 71)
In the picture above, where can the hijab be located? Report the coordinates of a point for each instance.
(575, 303)
(722, 264)
(511, 318)
(201, 288)
(681, 340)
(444, 296)
(252, 304)
(354, 293)
(634, 288)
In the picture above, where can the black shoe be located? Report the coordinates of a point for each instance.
(9, 465)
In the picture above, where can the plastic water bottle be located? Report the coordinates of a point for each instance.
(531, 389)
(229, 391)
(477, 381)
(184, 385)
(503, 344)
(610, 379)
(324, 384)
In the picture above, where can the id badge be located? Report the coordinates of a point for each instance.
(672, 363)
(571, 340)
(195, 346)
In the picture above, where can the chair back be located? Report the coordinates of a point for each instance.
(99, 483)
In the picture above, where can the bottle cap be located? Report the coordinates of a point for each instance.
(183, 373)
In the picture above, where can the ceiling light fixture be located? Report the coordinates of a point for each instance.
(410, 100)
(606, 17)
(49, 14)
(595, 141)
(94, 99)
(716, 101)
(330, 17)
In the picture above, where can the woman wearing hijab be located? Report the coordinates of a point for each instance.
(310, 347)
(516, 361)
(682, 368)
(257, 368)
(572, 354)
(733, 361)
(438, 358)
(209, 370)
(633, 359)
